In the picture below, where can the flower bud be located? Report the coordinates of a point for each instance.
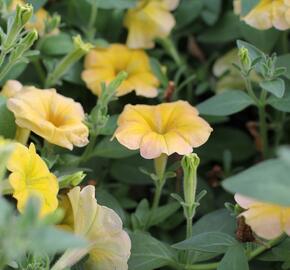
(71, 180)
(245, 59)
(23, 14)
(189, 165)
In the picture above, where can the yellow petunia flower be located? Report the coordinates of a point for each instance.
(166, 128)
(103, 65)
(267, 14)
(266, 220)
(11, 88)
(109, 244)
(31, 177)
(56, 118)
(149, 20)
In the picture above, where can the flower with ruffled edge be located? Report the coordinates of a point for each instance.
(103, 65)
(31, 177)
(267, 220)
(166, 128)
(56, 118)
(267, 14)
(149, 20)
(109, 245)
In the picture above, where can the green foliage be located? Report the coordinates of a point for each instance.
(227, 103)
(7, 127)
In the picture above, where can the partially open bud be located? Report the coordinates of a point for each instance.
(23, 14)
(245, 59)
(189, 165)
(71, 180)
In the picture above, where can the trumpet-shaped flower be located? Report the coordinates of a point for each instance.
(31, 177)
(103, 65)
(11, 88)
(56, 118)
(266, 220)
(166, 128)
(109, 244)
(149, 20)
(267, 14)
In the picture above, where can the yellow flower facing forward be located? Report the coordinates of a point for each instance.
(11, 88)
(103, 65)
(149, 20)
(166, 128)
(266, 220)
(31, 177)
(267, 14)
(56, 118)
(109, 244)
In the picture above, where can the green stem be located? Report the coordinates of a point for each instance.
(250, 90)
(279, 130)
(90, 147)
(39, 70)
(160, 167)
(263, 123)
(256, 252)
(91, 30)
(171, 50)
(285, 47)
(157, 196)
(189, 227)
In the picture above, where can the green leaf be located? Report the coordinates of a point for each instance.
(211, 11)
(127, 170)
(111, 149)
(264, 40)
(275, 87)
(234, 259)
(53, 240)
(7, 120)
(57, 44)
(187, 12)
(221, 140)
(148, 253)
(254, 52)
(284, 61)
(227, 29)
(164, 212)
(281, 104)
(113, 4)
(216, 242)
(110, 126)
(105, 198)
(226, 103)
(267, 181)
(158, 72)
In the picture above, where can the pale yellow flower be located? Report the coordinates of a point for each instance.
(11, 88)
(266, 220)
(149, 20)
(166, 128)
(103, 65)
(267, 14)
(31, 177)
(109, 244)
(56, 118)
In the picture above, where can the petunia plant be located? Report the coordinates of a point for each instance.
(144, 134)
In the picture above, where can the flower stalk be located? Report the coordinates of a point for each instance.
(80, 49)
